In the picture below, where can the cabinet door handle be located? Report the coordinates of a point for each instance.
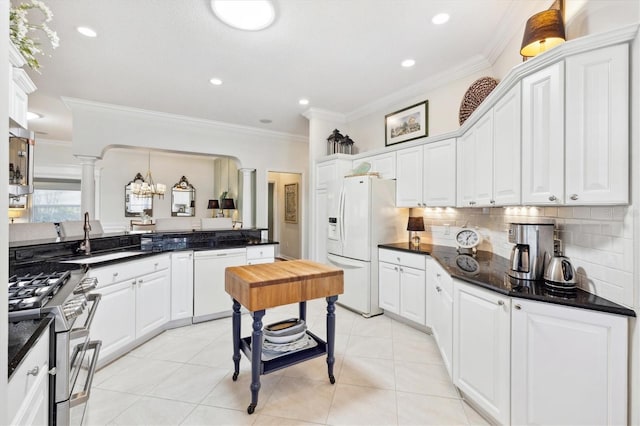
(401, 270)
(518, 307)
(133, 282)
(552, 198)
(395, 268)
(140, 281)
(500, 303)
(438, 289)
(574, 197)
(438, 275)
(53, 371)
(115, 274)
(34, 371)
(492, 201)
(471, 203)
(156, 264)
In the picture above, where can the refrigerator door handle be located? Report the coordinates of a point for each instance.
(341, 216)
(343, 228)
(344, 262)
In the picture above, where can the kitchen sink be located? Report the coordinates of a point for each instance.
(87, 260)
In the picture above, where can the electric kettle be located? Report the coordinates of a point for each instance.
(560, 273)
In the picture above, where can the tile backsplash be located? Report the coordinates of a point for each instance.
(598, 240)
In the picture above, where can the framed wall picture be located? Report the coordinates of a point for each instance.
(291, 203)
(407, 124)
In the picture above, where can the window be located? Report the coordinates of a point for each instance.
(56, 200)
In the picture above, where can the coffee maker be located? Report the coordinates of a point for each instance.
(533, 247)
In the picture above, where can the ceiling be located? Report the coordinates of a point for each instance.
(342, 55)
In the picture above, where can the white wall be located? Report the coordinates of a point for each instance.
(97, 127)
(119, 166)
(289, 234)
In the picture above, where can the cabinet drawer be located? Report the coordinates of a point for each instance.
(444, 279)
(411, 260)
(21, 385)
(111, 274)
(260, 252)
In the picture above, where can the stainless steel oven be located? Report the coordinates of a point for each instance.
(73, 355)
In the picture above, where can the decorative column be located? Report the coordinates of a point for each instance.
(88, 186)
(247, 197)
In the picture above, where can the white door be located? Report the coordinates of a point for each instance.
(568, 365)
(181, 285)
(543, 136)
(153, 302)
(482, 348)
(115, 319)
(355, 218)
(597, 114)
(409, 177)
(507, 139)
(439, 174)
(209, 296)
(357, 283)
(465, 193)
(389, 287)
(483, 159)
(412, 294)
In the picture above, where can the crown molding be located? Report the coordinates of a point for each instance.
(475, 64)
(323, 114)
(75, 104)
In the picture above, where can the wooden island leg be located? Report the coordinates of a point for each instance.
(235, 324)
(331, 335)
(256, 358)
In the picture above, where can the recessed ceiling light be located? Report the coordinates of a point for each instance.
(266, 121)
(303, 101)
(215, 81)
(249, 15)
(440, 18)
(32, 115)
(408, 63)
(86, 31)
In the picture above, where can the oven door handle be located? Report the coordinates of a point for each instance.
(83, 331)
(83, 396)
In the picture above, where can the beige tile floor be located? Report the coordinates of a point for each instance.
(386, 374)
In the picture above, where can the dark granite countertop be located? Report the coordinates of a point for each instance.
(490, 271)
(23, 335)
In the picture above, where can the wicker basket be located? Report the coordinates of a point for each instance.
(474, 96)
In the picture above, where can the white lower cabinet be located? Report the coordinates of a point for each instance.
(181, 285)
(28, 387)
(401, 281)
(136, 301)
(209, 296)
(481, 348)
(440, 310)
(568, 365)
(261, 254)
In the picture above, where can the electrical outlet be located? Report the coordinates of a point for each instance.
(447, 229)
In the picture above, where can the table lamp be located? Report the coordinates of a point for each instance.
(213, 205)
(543, 31)
(415, 225)
(227, 204)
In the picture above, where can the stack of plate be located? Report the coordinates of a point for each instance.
(285, 336)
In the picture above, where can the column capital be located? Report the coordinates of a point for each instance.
(87, 160)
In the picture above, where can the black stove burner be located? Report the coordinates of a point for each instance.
(33, 291)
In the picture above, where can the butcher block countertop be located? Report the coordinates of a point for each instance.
(268, 285)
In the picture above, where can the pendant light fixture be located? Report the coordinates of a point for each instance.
(148, 188)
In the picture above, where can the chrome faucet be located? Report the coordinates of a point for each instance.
(86, 244)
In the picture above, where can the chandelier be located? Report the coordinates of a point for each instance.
(147, 188)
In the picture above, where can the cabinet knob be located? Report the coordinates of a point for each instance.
(552, 198)
(471, 203)
(500, 303)
(438, 274)
(115, 274)
(140, 281)
(53, 371)
(133, 282)
(438, 289)
(401, 270)
(190, 255)
(156, 264)
(492, 201)
(574, 197)
(395, 268)
(34, 371)
(518, 307)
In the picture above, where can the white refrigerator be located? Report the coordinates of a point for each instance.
(366, 217)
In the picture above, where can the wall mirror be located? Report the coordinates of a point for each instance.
(135, 205)
(183, 198)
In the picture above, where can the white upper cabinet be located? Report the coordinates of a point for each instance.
(409, 177)
(597, 127)
(475, 164)
(439, 174)
(507, 140)
(543, 136)
(383, 164)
